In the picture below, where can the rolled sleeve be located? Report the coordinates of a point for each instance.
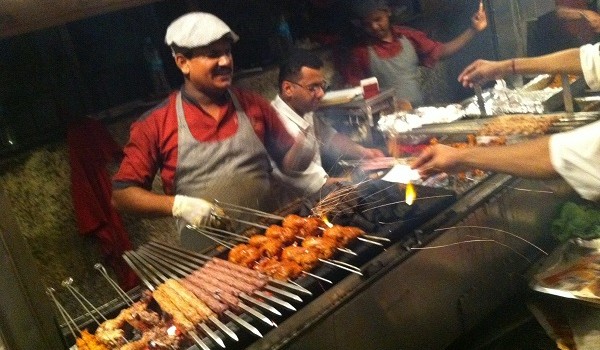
(590, 64)
(575, 155)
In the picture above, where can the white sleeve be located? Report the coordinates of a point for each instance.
(589, 55)
(575, 155)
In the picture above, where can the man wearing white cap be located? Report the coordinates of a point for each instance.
(208, 140)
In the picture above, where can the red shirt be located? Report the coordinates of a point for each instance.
(357, 66)
(152, 142)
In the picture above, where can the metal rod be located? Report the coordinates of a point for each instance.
(137, 271)
(68, 283)
(340, 266)
(242, 221)
(201, 258)
(317, 277)
(114, 284)
(212, 335)
(260, 303)
(63, 312)
(235, 318)
(250, 210)
(275, 300)
(284, 293)
(256, 314)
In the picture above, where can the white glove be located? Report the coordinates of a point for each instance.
(195, 211)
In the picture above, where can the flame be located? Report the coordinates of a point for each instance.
(172, 331)
(326, 221)
(411, 194)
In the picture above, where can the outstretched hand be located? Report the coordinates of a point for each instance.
(437, 159)
(479, 20)
(481, 71)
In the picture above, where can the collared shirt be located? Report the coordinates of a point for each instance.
(314, 177)
(152, 145)
(357, 66)
(575, 155)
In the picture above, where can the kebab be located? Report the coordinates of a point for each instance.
(215, 299)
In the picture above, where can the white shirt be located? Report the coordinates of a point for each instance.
(313, 178)
(575, 155)
(589, 55)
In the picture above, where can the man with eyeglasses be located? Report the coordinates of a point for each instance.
(208, 140)
(302, 85)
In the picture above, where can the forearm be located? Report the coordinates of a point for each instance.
(140, 201)
(569, 13)
(566, 61)
(530, 159)
(345, 147)
(453, 46)
(298, 157)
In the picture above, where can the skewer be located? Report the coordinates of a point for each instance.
(202, 325)
(218, 323)
(208, 228)
(68, 284)
(260, 303)
(192, 267)
(244, 324)
(377, 238)
(354, 269)
(276, 300)
(137, 271)
(317, 277)
(69, 321)
(283, 292)
(225, 217)
(211, 237)
(114, 284)
(240, 209)
(369, 241)
(203, 258)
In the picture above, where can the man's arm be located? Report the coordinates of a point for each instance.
(479, 23)
(529, 159)
(481, 71)
(350, 149)
(140, 201)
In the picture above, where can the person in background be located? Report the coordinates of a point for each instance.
(302, 85)
(208, 140)
(393, 53)
(579, 21)
(573, 155)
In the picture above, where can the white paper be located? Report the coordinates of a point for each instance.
(402, 173)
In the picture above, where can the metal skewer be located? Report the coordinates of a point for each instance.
(203, 258)
(183, 271)
(192, 267)
(202, 325)
(354, 269)
(114, 284)
(228, 206)
(63, 312)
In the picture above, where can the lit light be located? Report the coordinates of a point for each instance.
(411, 194)
(326, 221)
(172, 331)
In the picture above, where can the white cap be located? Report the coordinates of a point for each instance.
(197, 29)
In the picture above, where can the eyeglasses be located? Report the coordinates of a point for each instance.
(313, 88)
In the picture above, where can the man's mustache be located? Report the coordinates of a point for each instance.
(223, 70)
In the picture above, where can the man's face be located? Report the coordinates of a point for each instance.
(210, 68)
(305, 94)
(377, 24)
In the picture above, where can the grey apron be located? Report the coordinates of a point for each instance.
(399, 72)
(235, 170)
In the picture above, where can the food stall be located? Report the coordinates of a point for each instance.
(425, 273)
